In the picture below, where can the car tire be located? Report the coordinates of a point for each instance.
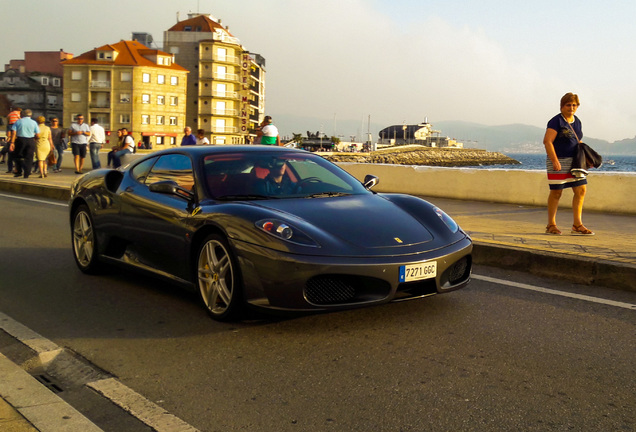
(84, 241)
(218, 278)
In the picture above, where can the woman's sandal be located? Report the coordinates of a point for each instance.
(552, 229)
(581, 230)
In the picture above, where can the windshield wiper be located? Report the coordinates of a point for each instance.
(327, 194)
(244, 197)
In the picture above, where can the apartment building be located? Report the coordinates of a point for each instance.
(129, 85)
(35, 82)
(226, 84)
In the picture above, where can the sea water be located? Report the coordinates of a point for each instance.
(536, 161)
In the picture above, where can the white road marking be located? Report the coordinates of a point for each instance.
(555, 292)
(35, 200)
(11, 384)
(140, 407)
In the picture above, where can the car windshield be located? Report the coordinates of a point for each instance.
(275, 175)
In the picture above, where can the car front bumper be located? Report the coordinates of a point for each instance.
(283, 281)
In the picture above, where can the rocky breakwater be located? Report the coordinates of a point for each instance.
(420, 155)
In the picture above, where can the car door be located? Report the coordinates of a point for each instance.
(157, 223)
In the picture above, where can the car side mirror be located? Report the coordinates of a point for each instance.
(370, 181)
(170, 187)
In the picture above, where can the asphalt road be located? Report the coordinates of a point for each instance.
(490, 357)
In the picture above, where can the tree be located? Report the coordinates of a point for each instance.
(298, 138)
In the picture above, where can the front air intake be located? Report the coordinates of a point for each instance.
(328, 290)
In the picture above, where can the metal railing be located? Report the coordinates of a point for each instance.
(100, 84)
(225, 94)
(226, 59)
(224, 129)
(225, 76)
(224, 112)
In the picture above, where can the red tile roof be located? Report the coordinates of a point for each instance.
(202, 22)
(130, 53)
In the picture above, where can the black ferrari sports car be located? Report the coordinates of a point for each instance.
(270, 227)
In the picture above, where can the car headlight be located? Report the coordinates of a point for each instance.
(284, 231)
(448, 221)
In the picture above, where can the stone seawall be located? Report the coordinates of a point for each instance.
(418, 155)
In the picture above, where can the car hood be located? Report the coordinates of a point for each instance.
(363, 221)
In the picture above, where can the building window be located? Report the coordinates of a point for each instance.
(174, 100)
(76, 75)
(160, 140)
(161, 79)
(124, 97)
(174, 80)
(145, 119)
(124, 118)
(126, 76)
(173, 121)
(160, 120)
(161, 100)
(145, 77)
(221, 54)
(173, 140)
(45, 80)
(145, 98)
(76, 97)
(57, 82)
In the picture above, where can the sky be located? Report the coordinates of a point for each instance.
(345, 67)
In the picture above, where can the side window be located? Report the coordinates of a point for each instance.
(140, 171)
(175, 167)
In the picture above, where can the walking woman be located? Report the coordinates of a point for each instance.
(44, 146)
(561, 140)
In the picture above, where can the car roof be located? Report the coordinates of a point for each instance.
(210, 149)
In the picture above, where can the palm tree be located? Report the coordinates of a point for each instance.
(298, 138)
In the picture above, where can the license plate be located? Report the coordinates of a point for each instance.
(419, 271)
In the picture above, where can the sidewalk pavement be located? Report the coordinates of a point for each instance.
(505, 235)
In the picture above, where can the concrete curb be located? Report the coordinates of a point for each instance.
(581, 270)
(43, 409)
(45, 191)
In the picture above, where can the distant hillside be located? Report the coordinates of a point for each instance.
(518, 138)
(513, 138)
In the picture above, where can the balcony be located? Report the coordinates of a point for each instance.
(225, 112)
(224, 129)
(100, 84)
(224, 37)
(225, 77)
(100, 104)
(225, 94)
(226, 59)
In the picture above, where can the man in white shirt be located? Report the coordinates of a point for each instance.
(127, 146)
(95, 142)
(79, 133)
